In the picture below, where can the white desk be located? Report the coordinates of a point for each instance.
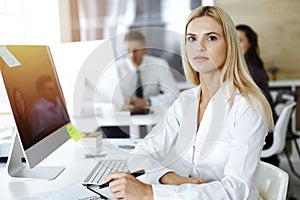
(7, 125)
(285, 83)
(70, 155)
(106, 115)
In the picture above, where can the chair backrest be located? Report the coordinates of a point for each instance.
(282, 97)
(280, 131)
(272, 182)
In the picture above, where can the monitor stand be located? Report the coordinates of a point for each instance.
(17, 169)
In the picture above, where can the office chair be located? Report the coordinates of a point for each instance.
(284, 96)
(272, 182)
(280, 131)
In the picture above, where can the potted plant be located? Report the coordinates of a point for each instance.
(273, 71)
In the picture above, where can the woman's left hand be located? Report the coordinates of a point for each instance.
(124, 185)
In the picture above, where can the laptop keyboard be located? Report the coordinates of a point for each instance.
(103, 168)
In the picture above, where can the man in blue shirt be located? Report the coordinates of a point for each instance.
(47, 113)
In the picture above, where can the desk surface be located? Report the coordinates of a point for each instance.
(71, 156)
(284, 83)
(105, 114)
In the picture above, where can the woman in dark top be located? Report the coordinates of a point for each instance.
(249, 44)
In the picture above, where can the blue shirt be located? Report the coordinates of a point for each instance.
(46, 114)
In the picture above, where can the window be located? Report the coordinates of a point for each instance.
(29, 22)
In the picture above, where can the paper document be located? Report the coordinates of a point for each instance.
(77, 191)
(106, 191)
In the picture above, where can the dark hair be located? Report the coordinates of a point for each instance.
(135, 36)
(252, 55)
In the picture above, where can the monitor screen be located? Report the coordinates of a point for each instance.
(36, 99)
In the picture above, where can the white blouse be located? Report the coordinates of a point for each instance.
(224, 150)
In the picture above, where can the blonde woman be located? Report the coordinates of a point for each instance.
(208, 145)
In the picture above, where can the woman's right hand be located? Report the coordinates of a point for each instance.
(171, 178)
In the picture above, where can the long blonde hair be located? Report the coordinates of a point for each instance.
(234, 74)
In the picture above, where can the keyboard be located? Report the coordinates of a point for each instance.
(102, 169)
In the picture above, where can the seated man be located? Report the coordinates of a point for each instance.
(144, 80)
(47, 112)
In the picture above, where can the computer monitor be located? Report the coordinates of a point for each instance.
(38, 108)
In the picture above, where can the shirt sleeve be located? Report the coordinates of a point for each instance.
(149, 154)
(248, 135)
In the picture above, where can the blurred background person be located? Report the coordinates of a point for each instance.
(145, 81)
(249, 43)
(47, 112)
